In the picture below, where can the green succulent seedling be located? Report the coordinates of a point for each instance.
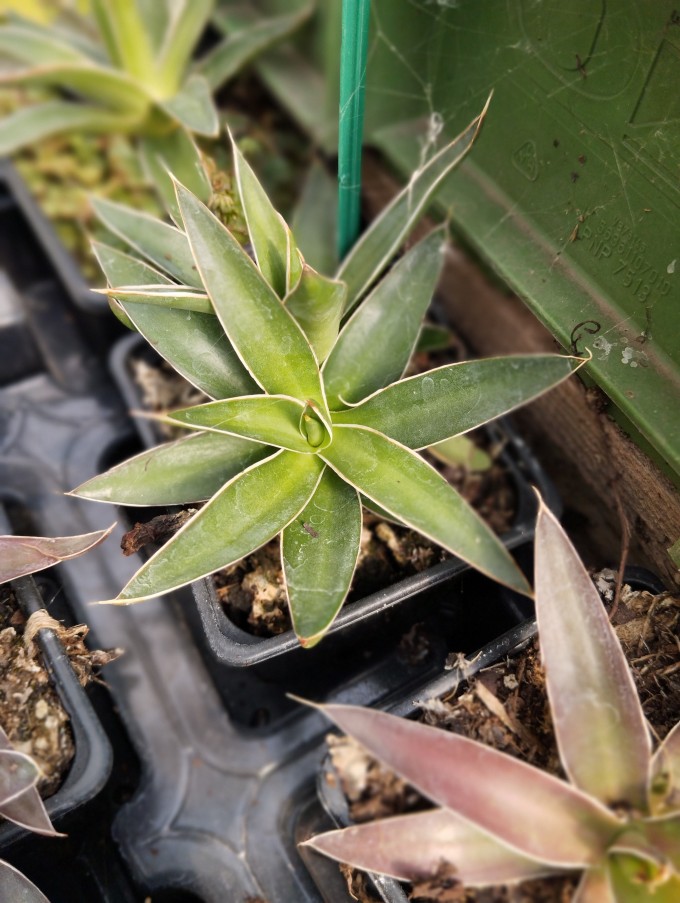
(311, 414)
(616, 820)
(128, 68)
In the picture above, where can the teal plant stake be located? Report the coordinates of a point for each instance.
(355, 23)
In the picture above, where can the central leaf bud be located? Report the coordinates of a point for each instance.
(312, 427)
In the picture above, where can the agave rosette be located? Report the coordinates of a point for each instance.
(128, 68)
(311, 414)
(501, 821)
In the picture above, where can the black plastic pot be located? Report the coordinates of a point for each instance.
(93, 759)
(63, 263)
(229, 645)
(333, 811)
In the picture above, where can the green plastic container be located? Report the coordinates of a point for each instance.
(572, 193)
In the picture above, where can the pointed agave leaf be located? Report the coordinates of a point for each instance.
(377, 342)
(665, 782)
(160, 243)
(662, 838)
(113, 89)
(194, 109)
(408, 847)
(272, 419)
(460, 451)
(28, 811)
(126, 37)
(41, 120)
(188, 22)
(106, 30)
(531, 811)
(376, 248)
(195, 346)
(37, 46)
(594, 887)
(123, 269)
(17, 887)
(425, 409)
(251, 314)
(176, 297)
(21, 555)
(18, 774)
(274, 246)
(175, 152)
(120, 268)
(156, 18)
(600, 728)
(314, 219)
(317, 303)
(412, 491)
(246, 513)
(320, 550)
(193, 343)
(190, 469)
(20, 801)
(240, 47)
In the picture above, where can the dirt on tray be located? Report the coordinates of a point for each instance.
(506, 707)
(31, 712)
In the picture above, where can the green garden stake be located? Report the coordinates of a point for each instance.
(354, 47)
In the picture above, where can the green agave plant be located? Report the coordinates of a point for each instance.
(311, 416)
(128, 68)
(617, 817)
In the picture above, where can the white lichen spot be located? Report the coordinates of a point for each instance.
(427, 388)
(633, 358)
(605, 347)
(627, 356)
(510, 681)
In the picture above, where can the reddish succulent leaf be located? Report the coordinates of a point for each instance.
(21, 555)
(28, 810)
(413, 846)
(599, 724)
(15, 886)
(659, 837)
(20, 801)
(666, 771)
(529, 810)
(594, 887)
(18, 773)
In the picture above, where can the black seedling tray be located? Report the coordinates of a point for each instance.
(61, 261)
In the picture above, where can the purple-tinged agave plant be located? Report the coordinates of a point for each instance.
(311, 416)
(502, 821)
(20, 802)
